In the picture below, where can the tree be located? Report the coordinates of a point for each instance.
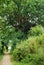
(22, 14)
(19, 15)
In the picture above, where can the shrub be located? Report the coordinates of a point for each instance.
(36, 31)
(30, 51)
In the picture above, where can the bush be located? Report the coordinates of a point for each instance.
(36, 31)
(30, 51)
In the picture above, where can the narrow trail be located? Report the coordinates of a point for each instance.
(6, 60)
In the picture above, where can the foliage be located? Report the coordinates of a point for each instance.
(17, 17)
(22, 14)
(30, 50)
(36, 31)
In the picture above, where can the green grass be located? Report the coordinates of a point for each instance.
(19, 63)
(1, 57)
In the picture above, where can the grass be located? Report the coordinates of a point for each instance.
(1, 57)
(19, 63)
(16, 62)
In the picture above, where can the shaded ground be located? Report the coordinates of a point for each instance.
(6, 60)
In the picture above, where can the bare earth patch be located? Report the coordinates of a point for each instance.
(6, 60)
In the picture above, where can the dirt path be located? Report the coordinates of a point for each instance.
(6, 60)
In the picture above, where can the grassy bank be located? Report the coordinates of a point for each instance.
(16, 62)
(19, 63)
(1, 56)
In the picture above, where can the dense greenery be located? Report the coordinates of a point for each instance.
(36, 31)
(31, 50)
(22, 27)
(23, 13)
